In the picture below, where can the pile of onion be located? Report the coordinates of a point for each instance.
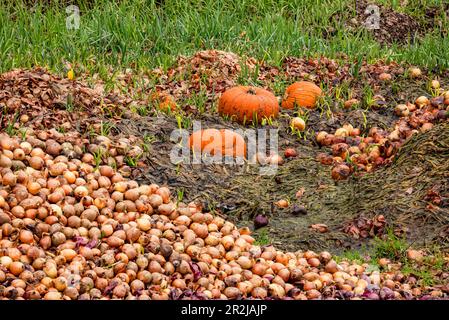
(352, 153)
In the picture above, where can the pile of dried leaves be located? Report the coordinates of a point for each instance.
(363, 227)
(206, 74)
(51, 101)
(210, 72)
(385, 24)
(332, 73)
(394, 27)
(435, 197)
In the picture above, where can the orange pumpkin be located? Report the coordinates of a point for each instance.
(303, 93)
(222, 142)
(244, 104)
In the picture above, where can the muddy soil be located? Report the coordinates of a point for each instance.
(398, 192)
(395, 27)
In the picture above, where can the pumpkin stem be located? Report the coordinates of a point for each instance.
(251, 91)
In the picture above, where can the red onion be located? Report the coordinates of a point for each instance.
(386, 293)
(370, 295)
(443, 114)
(196, 271)
(108, 290)
(298, 210)
(80, 241)
(294, 291)
(174, 294)
(91, 244)
(185, 294)
(260, 221)
(199, 296)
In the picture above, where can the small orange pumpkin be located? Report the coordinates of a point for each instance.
(244, 103)
(222, 142)
(303, 93)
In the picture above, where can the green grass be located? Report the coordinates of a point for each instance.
(180, 195)
(391, 247)
(99, 155)
(395, 248)
(10, 129)
(262, 238)
(132, 161)
(425, 272)
(140, 35)
(106, 127)
(352, 255)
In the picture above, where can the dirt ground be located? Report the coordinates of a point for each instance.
(394, 27)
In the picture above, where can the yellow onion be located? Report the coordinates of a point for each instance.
(422, 101)
(298, 124)
(415, 72)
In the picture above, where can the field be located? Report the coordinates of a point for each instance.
(142, 34)
(97, 91)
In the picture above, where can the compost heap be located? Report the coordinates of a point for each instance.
(74, 225)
